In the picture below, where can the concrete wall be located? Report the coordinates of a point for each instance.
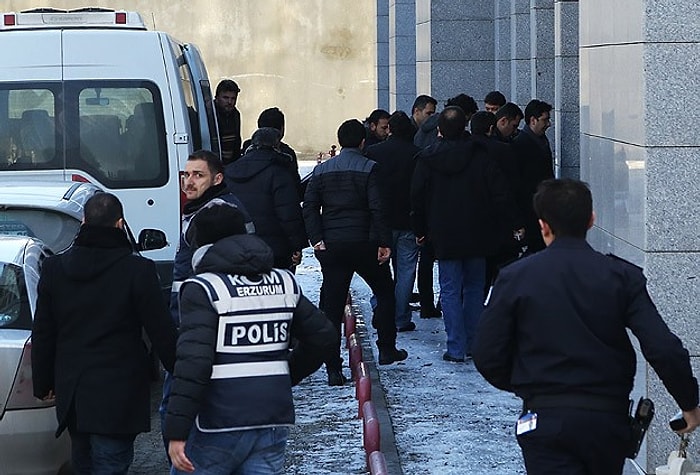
(313, 59)
(640, 70)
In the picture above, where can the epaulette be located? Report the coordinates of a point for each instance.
(618, 258)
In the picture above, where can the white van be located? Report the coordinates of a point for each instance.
(92, 95)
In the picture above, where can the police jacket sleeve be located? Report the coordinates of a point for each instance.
(154, 314)
(316, 336)
(494, 340)
(195, 357)
(43, 336)
(312, 209)
(660, 347)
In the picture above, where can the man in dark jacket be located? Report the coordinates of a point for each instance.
(87, 348)
(229, 119)
(395, 165)
(459, 200)
(231, 404)
(534, 157)
(347, 228)
(266, 186)
(555, 332)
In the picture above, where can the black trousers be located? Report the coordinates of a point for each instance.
(426, 261)
(338, 264)
(576, 442)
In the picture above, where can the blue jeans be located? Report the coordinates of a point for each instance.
(405, 254)
(244, 452)
(462, 299)
(96, 454)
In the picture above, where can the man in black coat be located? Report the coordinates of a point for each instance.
(266, 186)
(395, 165)
(534, 157)
(344, 218)
(87, 349)
(555, 333)
(459, 200)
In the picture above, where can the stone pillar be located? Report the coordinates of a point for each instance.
(520, 70)
(640, 73)
(566, 89)
(382, 55)
(502, 46)
(454, 48)
(402, 55)
(542, 50)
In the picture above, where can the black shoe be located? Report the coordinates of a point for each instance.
(335, 377)
(391, 355)
(446, 356)
(409, 327)
(414, 307)
(428, 314)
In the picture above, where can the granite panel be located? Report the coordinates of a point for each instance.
(520, 6)
(452, 10)
(383, 27)
(613, 91)
(502, 39)
(566, 84)
(404, 102)
(660, 440)
(521, 73)
(405, 81)
(470, 77)
(673, 199)
(382, 7)
(542, 78)
(405, 50)
(502, 9)
(405, 15)
(541, 4)
(543, 32)
(423, 42)
(673, 21)
(462, 40)
(383, 54)
(520, 36)
(567, 139)
(600, 21)
(566, 29)
(672, 76)
(570, 172)
(503, 78)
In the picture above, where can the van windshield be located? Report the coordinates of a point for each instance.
(111, 130)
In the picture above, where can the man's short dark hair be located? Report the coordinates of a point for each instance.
(103, 209)
(376, 116)
(535, 108)
(266, 137)
(495, 98)
(465, 102)
(566, 205)
(422, 101)
(272, 117)
(482, 122)
(452, 122)
(510, 111)
(213, 222)
(351, 133)
(227, 85)
(400, 125)
(213, 161)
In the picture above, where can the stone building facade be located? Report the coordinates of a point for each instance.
(623, 78)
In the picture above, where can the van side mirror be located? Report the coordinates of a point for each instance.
(150, 239)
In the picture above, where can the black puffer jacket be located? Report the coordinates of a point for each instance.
(342, 201)
(245, 258)
(268, 189)
(459, 198)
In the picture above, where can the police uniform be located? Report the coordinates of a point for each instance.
(555, 333)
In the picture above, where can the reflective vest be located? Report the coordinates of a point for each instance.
(250, 384)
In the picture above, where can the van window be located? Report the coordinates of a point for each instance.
(27, 127)
(211, 116)
(113, 130)
(186, 80)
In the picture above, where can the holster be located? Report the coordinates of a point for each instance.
(639, 423)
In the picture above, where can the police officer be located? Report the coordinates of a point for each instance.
(555, 334)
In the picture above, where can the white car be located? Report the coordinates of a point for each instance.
(36, 218)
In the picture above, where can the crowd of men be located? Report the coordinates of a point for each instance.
(469, 189)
